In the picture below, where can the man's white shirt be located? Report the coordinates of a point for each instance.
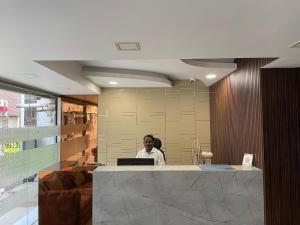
(153, 154)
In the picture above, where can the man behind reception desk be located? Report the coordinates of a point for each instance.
(150, 152)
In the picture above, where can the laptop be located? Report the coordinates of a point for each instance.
(135, 161)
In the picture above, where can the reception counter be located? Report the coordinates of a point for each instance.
(177, 195)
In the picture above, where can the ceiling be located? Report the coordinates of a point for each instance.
(113, 77)
(80, 31)
(33, 74)
(170, 69)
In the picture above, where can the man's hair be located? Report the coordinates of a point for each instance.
(150, 136)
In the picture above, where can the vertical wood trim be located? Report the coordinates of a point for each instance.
(235, 112)
(281, 128)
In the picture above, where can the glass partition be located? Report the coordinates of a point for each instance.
(28, 143)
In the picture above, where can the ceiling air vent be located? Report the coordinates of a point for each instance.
(128, 46)
(295, 45)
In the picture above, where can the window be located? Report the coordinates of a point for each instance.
(28, 143)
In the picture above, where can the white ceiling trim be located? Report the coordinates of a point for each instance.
(73, 71)
(17, 69)
(210, 63)
(125, 77)
(173, 69)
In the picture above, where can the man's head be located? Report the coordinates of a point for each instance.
(148, 142)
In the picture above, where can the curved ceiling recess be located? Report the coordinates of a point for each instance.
(112, 77)
(212, 63)
(175, 69)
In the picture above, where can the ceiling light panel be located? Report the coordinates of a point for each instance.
(128, 46)
(211, 76)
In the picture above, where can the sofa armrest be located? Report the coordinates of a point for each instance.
(59, 207)
(87, 176)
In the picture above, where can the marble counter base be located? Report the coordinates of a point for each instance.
(178, 198)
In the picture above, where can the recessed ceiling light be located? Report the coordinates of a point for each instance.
(211, 76)
(128, 46)
(113, 82)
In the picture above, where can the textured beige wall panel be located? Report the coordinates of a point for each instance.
(176, 115)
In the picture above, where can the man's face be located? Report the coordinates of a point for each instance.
(148, 143)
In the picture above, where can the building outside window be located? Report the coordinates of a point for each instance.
(28, 143)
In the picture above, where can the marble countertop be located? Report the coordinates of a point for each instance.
(168, 168)
(176, 195)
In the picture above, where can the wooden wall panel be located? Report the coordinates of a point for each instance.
(235, 114)
(281, 128)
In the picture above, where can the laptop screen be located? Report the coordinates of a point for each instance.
(134, 161)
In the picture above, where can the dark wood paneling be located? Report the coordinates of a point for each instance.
(235, 114)
(281, 128)
(258, 111)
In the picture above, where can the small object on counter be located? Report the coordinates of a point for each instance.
(215, 167)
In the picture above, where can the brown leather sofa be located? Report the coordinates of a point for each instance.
(65, 198)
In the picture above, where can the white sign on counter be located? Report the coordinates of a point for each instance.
(247, 160)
